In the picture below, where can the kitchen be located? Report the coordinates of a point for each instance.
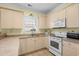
(26, 30)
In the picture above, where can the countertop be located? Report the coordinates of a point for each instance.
(71, 40)
(25, 37)
(14, 35)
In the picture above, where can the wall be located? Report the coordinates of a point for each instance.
(26, 13)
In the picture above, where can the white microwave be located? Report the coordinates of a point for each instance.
(60, 23)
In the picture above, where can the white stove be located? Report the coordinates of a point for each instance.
(55, 43)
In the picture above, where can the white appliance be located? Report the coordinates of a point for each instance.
(55, 43)
(60, 23)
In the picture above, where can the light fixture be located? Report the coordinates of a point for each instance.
(30, 5)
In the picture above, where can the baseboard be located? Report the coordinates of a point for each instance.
(32, 52)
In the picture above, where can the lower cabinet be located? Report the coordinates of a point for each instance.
(46, 42)
(43, 42)
(27, 45)
(31, 44)
(71, 48)
(39, 43)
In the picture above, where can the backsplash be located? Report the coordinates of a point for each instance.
(19, 31)
(14, 31)
(67, 29)
(10, 31)
(60, 30)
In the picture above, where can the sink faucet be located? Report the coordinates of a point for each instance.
(33, 32)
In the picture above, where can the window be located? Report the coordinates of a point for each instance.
(30, 22)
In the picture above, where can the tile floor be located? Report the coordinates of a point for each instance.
(43, 52)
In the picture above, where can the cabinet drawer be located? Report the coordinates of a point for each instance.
(66, 44)
(69, 51)
(70, 48)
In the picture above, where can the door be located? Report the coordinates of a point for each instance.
(30, 44)
(69, 48)
(27, 45)
(72, 15)
(39, 43)
(18, 19)
(11, 19)
(6, 18)
(45, 42)
(42, 21)
(52, 17)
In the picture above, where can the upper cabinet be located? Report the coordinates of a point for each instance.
(11, 18)
(61, 14)
(52, 17)
(42, 21)
(72, 16)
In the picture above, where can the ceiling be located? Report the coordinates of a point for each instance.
(38, 7)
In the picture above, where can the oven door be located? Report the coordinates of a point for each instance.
(55, 44)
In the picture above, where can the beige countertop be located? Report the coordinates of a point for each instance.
(72, 40)
(11, 35)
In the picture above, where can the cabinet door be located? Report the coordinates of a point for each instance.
(55, 16)
(30, 44)
(39, 43)
(11, 19)
(72, 15)
(18, 20)
(69, 49)
(50, 19)
(6, 18)
(45, 42)
(61, 14)
(77, 49)
(42, 42)
(42, 21)
(27, 45)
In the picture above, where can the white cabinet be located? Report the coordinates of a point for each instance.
(71, 47)
(72, 16)
(42, 21)
(27, 45)
(45, 42)
(31, 44)
(39, 43)
(52, 17)
(11, 18)
(42, 42)
(68, 49)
